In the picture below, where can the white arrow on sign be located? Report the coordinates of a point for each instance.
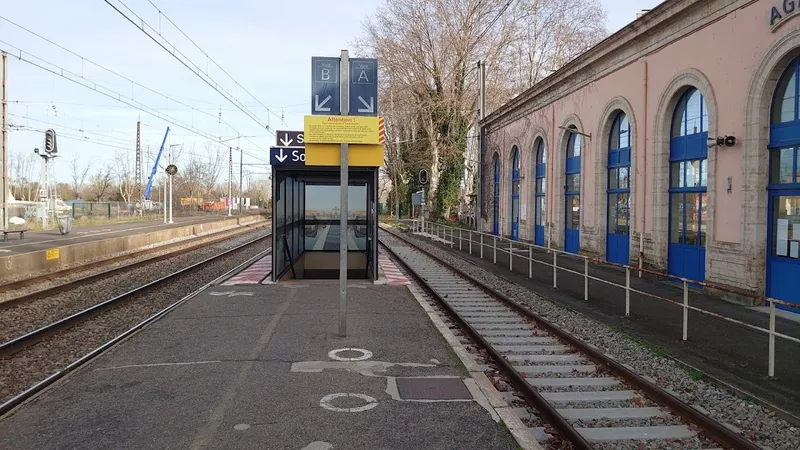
(286, 141)
(369, 107)
(319, 106)
(281, 157)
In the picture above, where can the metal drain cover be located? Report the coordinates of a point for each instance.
(432, 389)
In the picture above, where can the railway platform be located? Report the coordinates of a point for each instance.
(43, 240)
(255, 365)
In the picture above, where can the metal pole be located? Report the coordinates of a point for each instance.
(164, 200)
(685, 310)
(344, 78)
(230, 179)
(771, 369)
(241, 194)
(170, 199)
(4, 137)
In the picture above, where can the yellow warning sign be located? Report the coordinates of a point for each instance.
(359, 155)
(343, 130)
(52, 253)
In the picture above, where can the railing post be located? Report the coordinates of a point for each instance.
(470, 241)
(530, 261)
(510, 256)
(585, 280)
(627, 291)
(555, 269)
(494, 246)
(481, 245)
(460, 245)
(685, 310)
(771, 371)
(452, 236)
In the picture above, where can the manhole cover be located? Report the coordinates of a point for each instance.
(432, 389)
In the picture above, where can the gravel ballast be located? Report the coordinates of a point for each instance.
(31, 365)
(757, 423)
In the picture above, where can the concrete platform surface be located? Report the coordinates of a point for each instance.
(43, 240)
(263, 367)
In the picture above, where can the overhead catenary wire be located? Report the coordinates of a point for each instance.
(196, 70)
(160, 12)
(62, 72)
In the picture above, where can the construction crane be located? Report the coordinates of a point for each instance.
(155, 168)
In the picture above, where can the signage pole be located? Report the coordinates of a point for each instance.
(344, 78)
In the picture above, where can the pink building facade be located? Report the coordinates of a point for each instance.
(674, 142)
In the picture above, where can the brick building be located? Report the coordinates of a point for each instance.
(673, 142)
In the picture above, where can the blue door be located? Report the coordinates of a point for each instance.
(496, 204)
(783, 234)
(515, 193)
(539, 207)
(688, 198)
(619, 190)
(572, 189)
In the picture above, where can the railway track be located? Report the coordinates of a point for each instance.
(66, 330)
(51, 279)
(565, 389)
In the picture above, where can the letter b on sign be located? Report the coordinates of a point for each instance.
(325, 75)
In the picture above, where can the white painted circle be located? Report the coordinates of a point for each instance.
(365, 354)
(326, 402)
(241, 426)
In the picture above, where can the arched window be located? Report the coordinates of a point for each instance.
(783, 234)
(539, 190)
(688, 193)
(573, 191)
(515, 163)
(619, 189)
(496, 204)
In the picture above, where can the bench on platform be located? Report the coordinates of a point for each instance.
(7, 232)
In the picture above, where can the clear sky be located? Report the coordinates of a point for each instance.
(264, 45)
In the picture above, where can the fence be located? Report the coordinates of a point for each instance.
(527, 252)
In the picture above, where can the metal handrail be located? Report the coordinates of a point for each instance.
(441, 232)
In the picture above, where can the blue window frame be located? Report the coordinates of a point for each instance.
(572, 191)
(496, 204)
(783, 209)
(540, 188)
(619, 190)
(515, 168)
(688, 196)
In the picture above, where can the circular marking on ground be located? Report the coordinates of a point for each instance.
(365, 354)
(241, 426)
(325, 402)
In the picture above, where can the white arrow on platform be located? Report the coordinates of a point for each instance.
(281, 157)
(286, 141)
(319, 106)
(369, 107)
(232, 293)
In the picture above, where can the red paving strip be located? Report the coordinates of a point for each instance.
(393, 274)
(253, 274)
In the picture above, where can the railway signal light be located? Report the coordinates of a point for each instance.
(423, 176)
(50, 141)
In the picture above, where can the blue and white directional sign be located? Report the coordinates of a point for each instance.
(363, 87)
(325, 91)
(289, 139)
(280, 156)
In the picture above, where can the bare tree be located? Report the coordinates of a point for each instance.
(78, 175)
(124, 173)
(100, 183)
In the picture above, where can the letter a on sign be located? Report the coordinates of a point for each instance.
(362, 77)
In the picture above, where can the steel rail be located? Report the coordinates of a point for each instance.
(88, 266)
(17, 400)
(532, 396)
(712, 428)
(15, 345)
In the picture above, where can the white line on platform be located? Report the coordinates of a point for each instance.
(158, 365)
(318, 445)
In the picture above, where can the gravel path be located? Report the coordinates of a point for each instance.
(28, 316)
(34, 364)
(756, 423)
